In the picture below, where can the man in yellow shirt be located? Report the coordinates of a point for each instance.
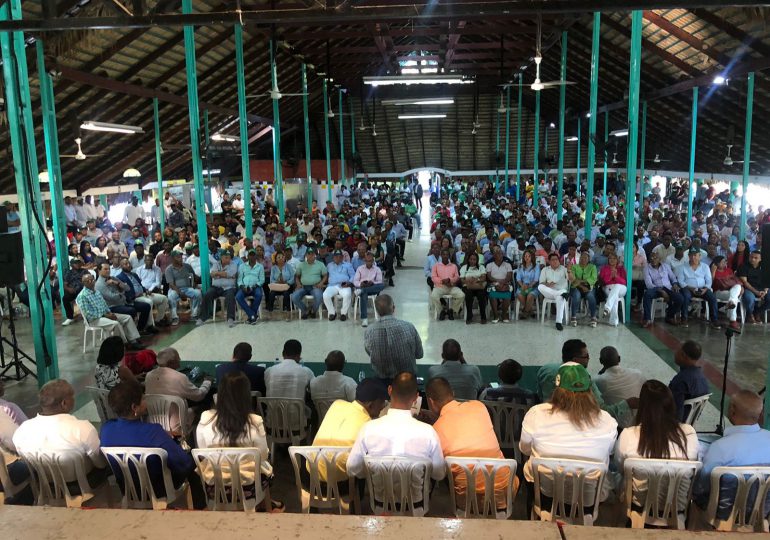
(344, 420)
(465, 430)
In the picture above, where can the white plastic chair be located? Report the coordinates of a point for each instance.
(168, 411)
(9, 488)
(482, 505)
(696, 406)
(506, 420)
(285, 420)
(658, 305)
(357, 304)
(225, 465)
(621, 309)
(389, 480)
(131, 463)
(322, 494)
(741, 315)
(702, 305)
(49, 485)
(93, 329)
(748, 511)
(322, 407)
(447, 298)
(103, 409)
(545, 311)
(669, 484)
(572, 481)
(308, 299)
(517, 308)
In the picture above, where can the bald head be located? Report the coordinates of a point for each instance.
(384, 305)
(56, 397)
(745, 408)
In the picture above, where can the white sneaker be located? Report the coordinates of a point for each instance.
(230, 323)
(67, 322)
(200, 322)
(364, 322)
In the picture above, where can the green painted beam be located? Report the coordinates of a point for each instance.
(593, 101)
(507, 134)
(693, 142)
(606, 140)
(277, 168)
(747, 151)
(536, 163)
(306, 125)
(562, 108)
(243, 131)
(577, 177)
(643, 150)
(328, 146)
(343, 175)
(518, 140)
(158, 167)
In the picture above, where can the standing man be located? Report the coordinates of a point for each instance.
(445, 282)
(340, 278)
(73, 284)
(133, 212)
(180, 279)
(393, 345)
(310, 279)
(368, 280)
(251, 277)
(223, 276)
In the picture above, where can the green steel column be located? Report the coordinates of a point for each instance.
(747, 151)
(691, 176)
(206, 142)
(507, 133)
(195, 138)
(562, 107)
(353, 139)
(243, 124)
(633, 139)
(24, 155)
(535, 163)
(606, 140)
(577, 166)
(592, 125)
(518, 140)
(643, 150)
(497, 151)
(158, 168)
(306, 123)
(343, 176)
(103, 201)
(54, 167)
(277, 168)
(328, 146)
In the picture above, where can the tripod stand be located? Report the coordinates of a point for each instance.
(720, 427)
(15, 362)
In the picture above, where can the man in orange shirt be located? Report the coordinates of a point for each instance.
(465, 430)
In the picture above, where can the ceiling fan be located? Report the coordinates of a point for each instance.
(728, 161)
(330, 112)
(80, 156)
(274, 93)
(657, 159)
(538, 85)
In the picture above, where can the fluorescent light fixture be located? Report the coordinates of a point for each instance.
(410, 71)
(226, 138)
(416, 116)
(571, 139)
(429, 70)
(43, 176)
(719, 79)
(211, 172)
(113, 128)
(619, 133)
(424, 101)
(417, 79)
(131, 173)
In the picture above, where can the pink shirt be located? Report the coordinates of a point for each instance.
(373, 274)
(606, 272)
(443, 271)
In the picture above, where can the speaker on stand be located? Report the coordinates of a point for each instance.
(12, 275)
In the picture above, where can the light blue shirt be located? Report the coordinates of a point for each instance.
(249, 276)
(430, 262)
(224, 282)
(699, 277)
(340, 273)
(288, 274)
(528, 275)
(741, 446)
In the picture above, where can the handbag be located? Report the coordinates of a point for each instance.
(278, 287)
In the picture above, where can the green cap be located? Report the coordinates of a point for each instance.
(573, 377)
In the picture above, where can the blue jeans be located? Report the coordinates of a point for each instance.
(674, 301)
(708, 296)
(194, 295)
(576, 295)
(307, 290)
(755, 304)
(252, 311)
(364, 298)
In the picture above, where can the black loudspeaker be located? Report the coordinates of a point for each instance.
(766, 255)
(11, 259)
(3, 219)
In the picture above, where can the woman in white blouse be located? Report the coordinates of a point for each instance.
(232, 424)
(658, 434)
(474, 279)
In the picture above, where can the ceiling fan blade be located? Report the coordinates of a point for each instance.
(556, 83)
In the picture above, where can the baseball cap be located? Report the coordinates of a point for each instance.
(139, 243)
(371, 390)
(252, 252)
(176, 252)
(337, 252)
(694, 251)
(573, 377)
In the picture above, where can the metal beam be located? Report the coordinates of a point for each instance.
(683, 35)
(452, 40)
(754, 43)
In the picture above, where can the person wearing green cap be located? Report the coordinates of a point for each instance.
(570, 425)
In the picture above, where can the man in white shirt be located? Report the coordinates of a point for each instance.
(91, 211)
(133, 212)
(398, 434)
(54, 430)
(80, 213)
(150, 275)
(554, 286)
(333, 384)
(618, 383)
(288, 378)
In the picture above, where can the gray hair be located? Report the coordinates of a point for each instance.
(384, 305)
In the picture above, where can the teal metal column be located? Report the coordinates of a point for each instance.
(518, 141)
(633, 139)
(353, 140)
(691, 176)
(54, 167)
(535, 163)
(24, 155)
(747, 153)
(243, 125)
(642, 156)
(195, 138)
(206, 142)
(497, 149)
(577, 166)
(343, 176)
(562, 107)
(328, 146)
(103, 201)
(507, 133)
(592, 126)
(158, 168)
(606, 140)
(306, 123)
(277, 168)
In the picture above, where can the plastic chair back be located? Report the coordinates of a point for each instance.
(665, 500)
(322, 406)
(576, 486)
(285, 420)
(99, 397)
(506, 419)
(694, 408)
(9, 488)
(226, 466)
(748, 510)
(478, 503)
(398, 486)
(320, 462)
(48, 471)
(168, 411)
